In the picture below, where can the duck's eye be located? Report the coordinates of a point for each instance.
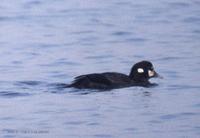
(140, 70)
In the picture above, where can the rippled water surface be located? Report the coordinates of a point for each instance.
(44, 44)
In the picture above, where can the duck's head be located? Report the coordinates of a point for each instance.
(143, 71)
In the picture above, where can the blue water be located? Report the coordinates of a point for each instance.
(44, 44)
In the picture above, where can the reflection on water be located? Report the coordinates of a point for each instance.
(44, 44)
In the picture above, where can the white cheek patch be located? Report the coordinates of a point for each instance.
(140, 70)
(151, 73)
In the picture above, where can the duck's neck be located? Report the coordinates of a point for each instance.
(138, 79)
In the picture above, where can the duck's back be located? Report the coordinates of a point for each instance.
(107, 80)
(117, 78)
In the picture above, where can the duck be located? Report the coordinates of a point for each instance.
(139, 75)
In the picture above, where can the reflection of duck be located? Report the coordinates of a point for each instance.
(140, 74)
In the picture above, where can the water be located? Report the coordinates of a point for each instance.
(44, 44)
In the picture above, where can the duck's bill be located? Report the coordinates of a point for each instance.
(154, 74)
